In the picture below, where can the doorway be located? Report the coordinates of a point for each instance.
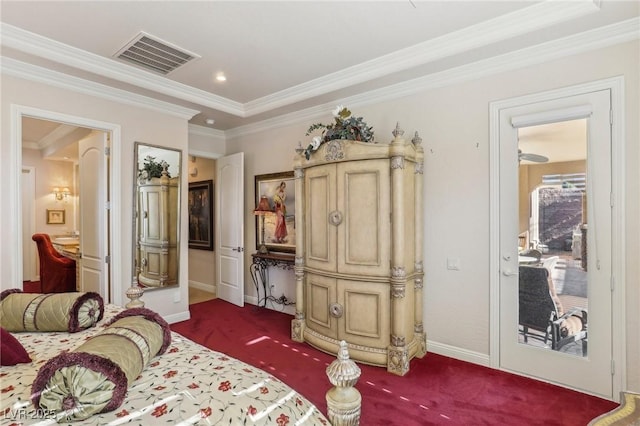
(202, 260)
(111, 189)
(525, 198)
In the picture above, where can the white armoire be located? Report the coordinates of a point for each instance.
(358, 262)
(157, 246)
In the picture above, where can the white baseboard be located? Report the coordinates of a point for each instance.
(209, 288)
(180, 316)
(458, 353)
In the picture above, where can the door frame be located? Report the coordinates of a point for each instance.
(29, 218)
(209, 156)
(115, 183)
(616, 86)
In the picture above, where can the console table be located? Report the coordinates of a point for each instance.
(260, 273)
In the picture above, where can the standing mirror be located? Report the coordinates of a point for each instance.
(156, 215)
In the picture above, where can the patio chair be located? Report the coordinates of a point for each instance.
(532, 253)
(541, 314)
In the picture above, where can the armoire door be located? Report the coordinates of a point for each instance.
(364, 231)
(366, 313)
(320, 203)
(321, 298)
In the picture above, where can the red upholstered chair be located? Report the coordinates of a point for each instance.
(57, 273)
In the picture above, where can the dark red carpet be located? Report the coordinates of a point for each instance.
(436, 391)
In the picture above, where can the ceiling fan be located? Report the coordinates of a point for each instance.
(536, 158)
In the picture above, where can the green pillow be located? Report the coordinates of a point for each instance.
(94, 377)
(70, 312)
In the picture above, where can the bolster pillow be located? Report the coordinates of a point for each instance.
(94, 377)
(70, 312)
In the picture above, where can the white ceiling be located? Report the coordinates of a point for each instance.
(281, 57)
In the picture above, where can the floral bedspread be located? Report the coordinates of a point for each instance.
(187, 385)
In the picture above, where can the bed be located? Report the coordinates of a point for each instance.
(187, 384)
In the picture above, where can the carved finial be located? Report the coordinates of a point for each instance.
(134, 293)
(397, 131)
(343, 400)
(417, 140)
(343, 372)
(299, 148)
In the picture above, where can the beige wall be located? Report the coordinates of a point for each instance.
(50, 174)
(454, 124)
(135, 124)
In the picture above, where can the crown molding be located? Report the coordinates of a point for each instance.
(503, 27)
(195, 129)
(44, 47)
(59, 132)
(31, 72)
(587, 41)
(205, 154)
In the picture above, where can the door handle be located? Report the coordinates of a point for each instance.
(238, 249)
(509, 273)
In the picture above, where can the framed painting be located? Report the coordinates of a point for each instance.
(55, 217)
(201, 215)
(275, 212)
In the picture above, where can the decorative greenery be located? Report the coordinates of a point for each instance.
(344, 127)
(152, 168)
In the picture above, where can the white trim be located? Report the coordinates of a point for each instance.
(458, 353)
(546, 117)
(31, 72)
(15, 192)
(503, 27)
(15, 168)
(209, 288)
(31, 218)
(560, 48)
(484, 33)
(616, 85)
(37, 45)
(205, 154)
(618, 245)
(494, 228)
(194, 129)
(180, 316)
(557, 49)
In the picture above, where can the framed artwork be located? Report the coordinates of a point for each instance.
(201, 215)
(55, 217)
(275, 227)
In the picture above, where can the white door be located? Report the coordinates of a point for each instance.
(29, 248)
(93, 159)
(590, 372)
(230, 228)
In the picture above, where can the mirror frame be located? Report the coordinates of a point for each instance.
(137, 162)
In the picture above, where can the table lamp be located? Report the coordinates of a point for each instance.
(263, 209)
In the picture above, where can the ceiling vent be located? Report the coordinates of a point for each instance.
(154, 54)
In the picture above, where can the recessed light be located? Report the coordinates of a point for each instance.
(210, 121)
(221, 77)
